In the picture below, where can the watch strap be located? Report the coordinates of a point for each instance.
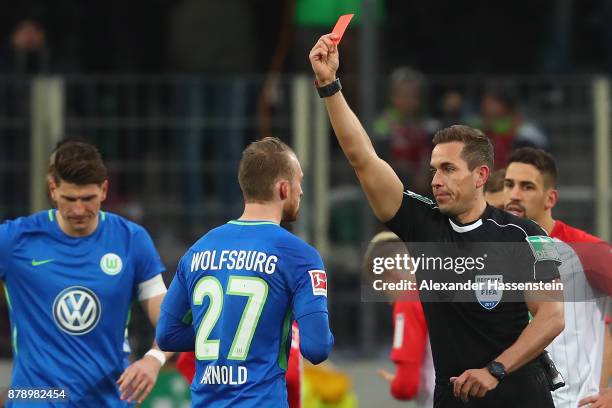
(329, 89)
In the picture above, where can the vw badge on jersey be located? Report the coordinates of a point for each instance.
(76, 310)
(111, 264)
(487, 294)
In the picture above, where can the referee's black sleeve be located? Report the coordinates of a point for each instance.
(415, 218)
(539, 269)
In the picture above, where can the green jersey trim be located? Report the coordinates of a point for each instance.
(236, 222)
(282, 355)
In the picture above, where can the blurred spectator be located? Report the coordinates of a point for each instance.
(23, 41)
(212, 37)
(494, 189)
(402, 133)
(73, 36)
(207, 39)
(502, 121)
(452, 109)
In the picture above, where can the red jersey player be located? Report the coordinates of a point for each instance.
(411, 353)
(530, 188)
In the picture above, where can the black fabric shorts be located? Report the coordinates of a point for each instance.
(525, 388)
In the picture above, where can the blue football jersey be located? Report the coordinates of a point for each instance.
(69, 300)
(242, 285)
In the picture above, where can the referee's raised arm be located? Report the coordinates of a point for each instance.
(381, 184)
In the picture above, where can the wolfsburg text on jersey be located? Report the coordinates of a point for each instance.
(255, 261)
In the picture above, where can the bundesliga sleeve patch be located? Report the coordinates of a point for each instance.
(318, 279)
(543, 248)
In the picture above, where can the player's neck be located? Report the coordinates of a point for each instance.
(261, 212)
(547, 222)
(71, 232)
(474, 213)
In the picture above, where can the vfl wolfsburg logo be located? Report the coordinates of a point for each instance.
(76, 310)
(111, 264)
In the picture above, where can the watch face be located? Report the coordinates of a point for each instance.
(497, 370)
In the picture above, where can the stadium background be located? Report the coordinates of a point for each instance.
(171, 92)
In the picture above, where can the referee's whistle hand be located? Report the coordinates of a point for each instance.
(473, 383)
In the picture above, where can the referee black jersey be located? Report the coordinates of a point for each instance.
(466, 335)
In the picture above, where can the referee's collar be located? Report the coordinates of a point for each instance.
(461, 228)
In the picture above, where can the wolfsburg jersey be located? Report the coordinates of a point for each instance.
(578, 350)
(243, 283)
(69, 300)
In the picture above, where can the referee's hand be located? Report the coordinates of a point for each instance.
(473, 383)
(602, 400)
(324, 59)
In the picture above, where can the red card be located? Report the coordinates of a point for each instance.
(341, 25)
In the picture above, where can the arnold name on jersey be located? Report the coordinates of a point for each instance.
(227, 375)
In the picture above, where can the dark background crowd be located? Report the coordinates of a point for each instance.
(240, 36)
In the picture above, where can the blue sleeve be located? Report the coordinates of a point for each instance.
(147, 259)
(174, 329)
(309, 303)
(316, 340)
(309, 284)
(172, 334)
(5, 249)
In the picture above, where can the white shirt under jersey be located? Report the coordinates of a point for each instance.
(578, 350)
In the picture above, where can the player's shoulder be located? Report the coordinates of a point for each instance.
(286, 241)
(567, 233)
(31, 223)
(513, 227)
(118, 223)
(415, 205)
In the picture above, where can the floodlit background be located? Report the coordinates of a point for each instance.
(172, 91)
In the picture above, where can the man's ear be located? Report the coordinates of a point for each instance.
(104, 187)
(551, 198)
(283, 189)
(482, 174)
(52, 186)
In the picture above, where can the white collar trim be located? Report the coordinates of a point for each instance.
(465, 228)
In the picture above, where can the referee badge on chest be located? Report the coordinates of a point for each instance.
(111, 264)
(489, 290)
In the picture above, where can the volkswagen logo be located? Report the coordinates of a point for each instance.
(76, 310)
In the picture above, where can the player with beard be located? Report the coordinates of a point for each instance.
(487, 354)
(242, 284)
(530, 191)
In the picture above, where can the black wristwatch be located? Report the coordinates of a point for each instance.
(497, 370)
(329, 89)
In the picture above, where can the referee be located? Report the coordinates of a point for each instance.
(482, 357)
